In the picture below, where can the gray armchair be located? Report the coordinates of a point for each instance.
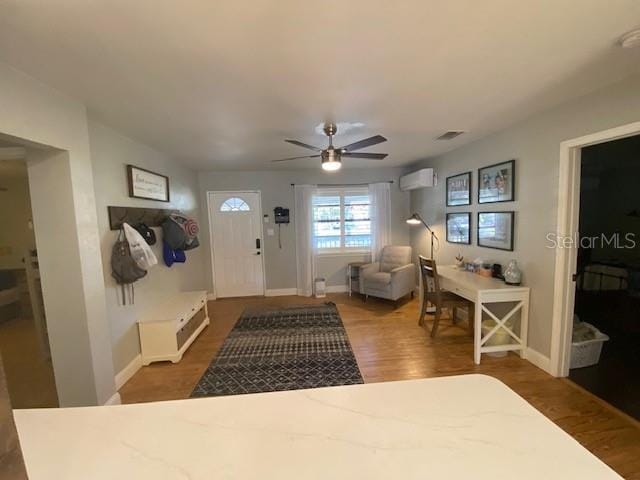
(393, 277)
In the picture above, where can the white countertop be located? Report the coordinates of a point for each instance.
(462, 427)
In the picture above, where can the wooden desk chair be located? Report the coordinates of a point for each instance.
(439, 298)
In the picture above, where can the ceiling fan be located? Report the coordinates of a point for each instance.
(331, 156)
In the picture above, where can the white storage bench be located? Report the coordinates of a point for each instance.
(168, 330)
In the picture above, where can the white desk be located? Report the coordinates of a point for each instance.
(408, 430)
(483, 291)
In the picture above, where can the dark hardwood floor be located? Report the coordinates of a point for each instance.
(389, 345)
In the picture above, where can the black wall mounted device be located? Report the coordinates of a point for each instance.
(281, 216)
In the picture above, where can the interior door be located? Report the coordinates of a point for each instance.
(236, 228)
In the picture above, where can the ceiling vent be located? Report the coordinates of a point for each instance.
(450, 135)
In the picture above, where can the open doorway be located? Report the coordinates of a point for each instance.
(605, 353)
(24, 343)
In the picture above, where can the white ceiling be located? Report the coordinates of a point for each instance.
(221, 84)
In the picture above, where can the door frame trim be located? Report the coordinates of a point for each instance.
(210, 193)
(567, 225)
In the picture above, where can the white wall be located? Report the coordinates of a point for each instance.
(64, 210)
(535, 144)
(15, 214)
(110, 153)
(280, 264)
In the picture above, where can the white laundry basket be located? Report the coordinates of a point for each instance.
(587, 352)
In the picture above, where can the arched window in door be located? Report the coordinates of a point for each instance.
(234, 204)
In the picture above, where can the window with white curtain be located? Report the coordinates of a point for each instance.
(342, 220)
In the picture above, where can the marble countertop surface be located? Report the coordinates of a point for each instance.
(462, 427)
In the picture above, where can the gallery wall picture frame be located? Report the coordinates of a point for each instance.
(459, 228)
(147, 184)
(496, 230)
(459, 190)
(496, 183)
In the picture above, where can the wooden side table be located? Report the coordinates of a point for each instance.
(353, 276)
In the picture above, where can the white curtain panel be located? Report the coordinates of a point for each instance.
(305, 246)
(380, 198)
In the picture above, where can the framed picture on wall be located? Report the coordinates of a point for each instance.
(495, 230)
(146, 184)
(459, 190)
(459, 228)
(496, 183)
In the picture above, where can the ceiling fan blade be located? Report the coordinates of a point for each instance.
(304, 145)
(295, 158)
(367, 142)
(369, 156)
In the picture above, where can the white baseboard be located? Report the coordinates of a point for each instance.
(280, 292)
(127, 372)
(337, 288)
(211, 296)
(114, 400)
(539, 360)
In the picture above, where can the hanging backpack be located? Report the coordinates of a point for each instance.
(180, 232)
(124, 268)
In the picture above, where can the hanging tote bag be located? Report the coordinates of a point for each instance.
(140, 250)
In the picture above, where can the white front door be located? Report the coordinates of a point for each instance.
(236, 228)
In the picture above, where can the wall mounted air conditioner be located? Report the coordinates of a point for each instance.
(420, 179)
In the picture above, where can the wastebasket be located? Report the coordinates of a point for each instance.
(321, 287)
(500, 337)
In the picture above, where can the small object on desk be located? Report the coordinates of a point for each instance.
(484, 271)
(496, 271)
(460, 261)
(513, 275)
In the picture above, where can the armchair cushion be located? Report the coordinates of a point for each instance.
(369, 268)
(393, 257)
(378, 280)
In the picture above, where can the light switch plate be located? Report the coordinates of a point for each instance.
(270, 232)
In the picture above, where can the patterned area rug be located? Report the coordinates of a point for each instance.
(284, 349)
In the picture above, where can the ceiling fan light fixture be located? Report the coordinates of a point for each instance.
(331, 157)
(331, 160)
(331, 165)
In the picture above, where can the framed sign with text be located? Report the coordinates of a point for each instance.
(146, 184)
